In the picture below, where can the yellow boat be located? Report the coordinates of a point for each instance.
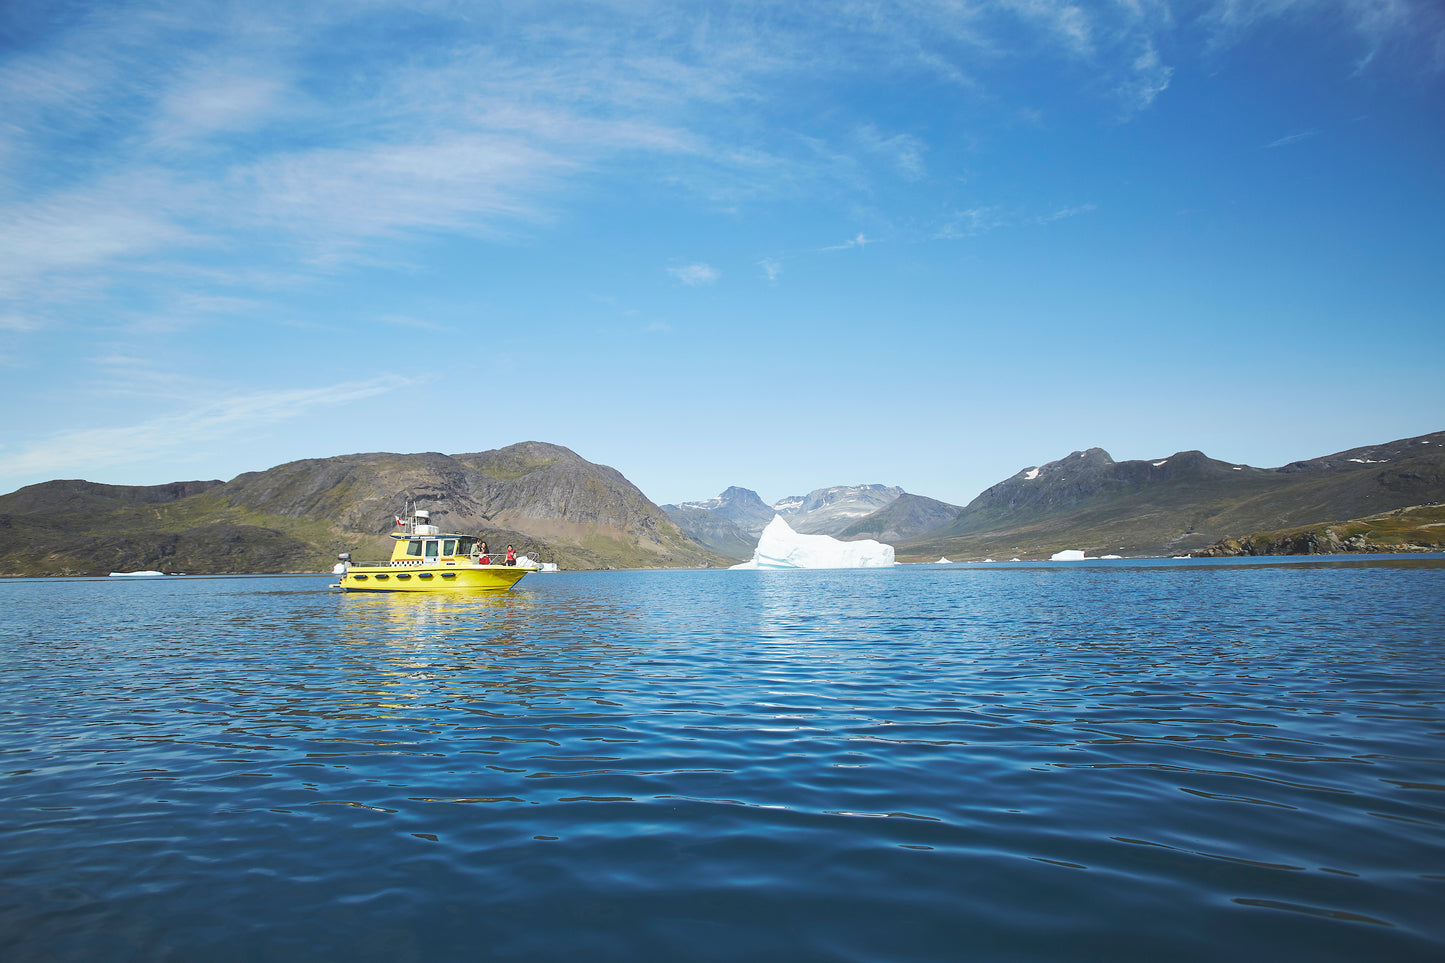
(426, 559)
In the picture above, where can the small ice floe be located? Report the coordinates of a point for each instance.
(943, 561)
(781, 547)
(1067, 555)
(1111, 556)
(145, 574)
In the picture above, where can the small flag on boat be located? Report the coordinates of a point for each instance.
(398, 519)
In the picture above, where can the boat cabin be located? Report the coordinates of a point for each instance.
(422, 543)
(436, 549)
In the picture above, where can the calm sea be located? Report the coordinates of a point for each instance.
(1123, 761)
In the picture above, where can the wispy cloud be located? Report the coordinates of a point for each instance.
(416, 324)
(168, 436)
(249, 137)
(694, 274)
(1294, 138)
(977, 221)
(857, 241)
(903, 152)
(1412, 31)
(971, 223)
(1065, 213)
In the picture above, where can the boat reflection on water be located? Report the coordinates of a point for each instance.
(430, 618)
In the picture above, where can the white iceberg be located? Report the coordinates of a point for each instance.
(781, 547)
(1067, 555)
(943, 561)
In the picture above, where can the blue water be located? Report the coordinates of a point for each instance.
(1182, 761)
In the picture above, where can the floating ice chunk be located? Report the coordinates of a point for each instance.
(943, 561)
(1067, 555)
(146, 574)
(781, 547)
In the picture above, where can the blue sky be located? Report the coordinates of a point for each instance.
(923, 243)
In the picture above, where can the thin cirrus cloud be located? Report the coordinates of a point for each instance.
(1294, 138)
(250, 133)
(170, 436)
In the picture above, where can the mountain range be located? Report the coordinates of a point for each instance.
(1087, 501)
(556, 506)
(544, 499)
(1182, 503)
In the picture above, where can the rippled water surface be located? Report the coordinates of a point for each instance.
(1125, 761)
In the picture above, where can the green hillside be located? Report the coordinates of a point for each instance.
(544, 499)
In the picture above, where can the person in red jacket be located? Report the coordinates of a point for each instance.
(511, 556)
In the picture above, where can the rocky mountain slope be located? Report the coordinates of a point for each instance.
(1420, 528)
(1179, 504)
(731, 523)
(544, 499)
(741, 507)
(907, 517)
(827, 511)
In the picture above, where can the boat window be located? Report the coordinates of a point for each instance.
(431, 546)
(465, 545)
(413, 547)
(449, 547)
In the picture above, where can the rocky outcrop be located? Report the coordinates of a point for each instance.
(1419, 528)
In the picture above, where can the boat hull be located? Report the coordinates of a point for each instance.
(432, 578)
